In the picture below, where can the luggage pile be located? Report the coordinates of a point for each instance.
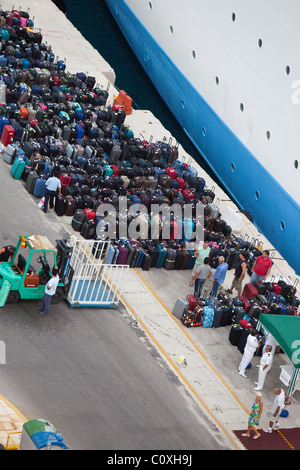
(51, 120)
(240, 312)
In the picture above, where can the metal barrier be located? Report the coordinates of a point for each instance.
(94, 283)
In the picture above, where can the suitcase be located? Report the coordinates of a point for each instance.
(78, 220)
(162, 253)
(227, 316)
(88, 230)
(249, 291)
(170, 259)
(243, 340)
(208, 317)
(261, 287)
(39, 188)
(30, 182)
(7, 135)
(235, 333)
(192, 301)
(89, 214)
(123, 254)
(179, 307)
(70, 206)
(60, 205)
(131, 252)
(146, 262)
(218, 314)
(18, 168)
(9, 153)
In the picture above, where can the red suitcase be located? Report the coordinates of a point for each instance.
(7, 135)
(192, 301)
(89, 214)
(249, 291)
(246, 302)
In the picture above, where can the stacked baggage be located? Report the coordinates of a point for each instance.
(51, 119)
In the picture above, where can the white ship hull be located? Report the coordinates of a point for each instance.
(230, 74)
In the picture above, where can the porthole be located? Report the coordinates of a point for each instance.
(257, 195)
(296, 164)
(183, 104)
(232, 167)
(171, 29)
(288, 70)
(203, 131)
(150, 5)
(282, 225)
(194, 54)
(242, 107)
(268, 135)
(217, 80)
(233, 16)
(260, 43)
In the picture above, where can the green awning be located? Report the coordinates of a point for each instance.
(286, 331)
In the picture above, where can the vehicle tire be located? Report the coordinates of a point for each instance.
(58, 296)
(13, 297)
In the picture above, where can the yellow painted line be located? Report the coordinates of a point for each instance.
(21, 416)
(192, 342)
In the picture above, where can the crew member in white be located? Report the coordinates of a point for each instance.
(264, 367)
(252, 345)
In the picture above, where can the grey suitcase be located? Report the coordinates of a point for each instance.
(179, 307)
(30, 182)
(9, 153)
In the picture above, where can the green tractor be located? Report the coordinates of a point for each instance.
(29, 270)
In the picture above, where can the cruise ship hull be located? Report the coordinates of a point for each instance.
(275, 213)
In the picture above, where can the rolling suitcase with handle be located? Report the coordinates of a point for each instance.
(30, 182)
(18, 168)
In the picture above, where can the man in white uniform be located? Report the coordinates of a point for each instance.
(264, 366)
(252, 345)
(277, 409)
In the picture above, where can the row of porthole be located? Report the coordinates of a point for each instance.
(259, 42)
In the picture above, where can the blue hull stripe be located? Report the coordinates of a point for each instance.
(275, 213)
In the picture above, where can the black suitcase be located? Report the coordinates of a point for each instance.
(131, 253)
(88, 230)
(235, 333)
(243, 340)
(78, 220)
(146, 262)
(60, 205)
(179, 259)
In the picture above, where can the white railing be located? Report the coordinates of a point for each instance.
(94, 283)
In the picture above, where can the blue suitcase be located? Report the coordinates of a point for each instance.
(208, 317)
(110, 254)
(39, 188)
(162, 254)
(139, 258)
(18, 168)
(218, 315)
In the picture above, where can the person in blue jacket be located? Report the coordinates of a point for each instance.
(219, 276)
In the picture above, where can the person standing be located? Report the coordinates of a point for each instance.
(7, 252)
(53, 185)
(239, 274)
(264, 367)
(251, 346)
(261, 267)
(50, 290)
(203, 273)
(278, 406)
(219, 276)
(200, 254)
(255, 414)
